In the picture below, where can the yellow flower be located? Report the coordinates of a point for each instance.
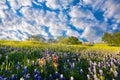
(55, 64)
(42, 61)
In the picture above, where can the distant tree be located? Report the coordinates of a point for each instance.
(74, 40)
(51, 40)
(36, 38)
(113, 39)
(68, 40)
(107, 38)
(60, 39)
(116, 38)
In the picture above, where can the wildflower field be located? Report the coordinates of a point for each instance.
(41, 61)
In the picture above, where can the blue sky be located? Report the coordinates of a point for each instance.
(85, 19)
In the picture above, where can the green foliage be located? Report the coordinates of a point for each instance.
(74, 40)
(107, 38)
(112, 39)
(36, 38)
(116, 37)
(51, 40)
(69, 40)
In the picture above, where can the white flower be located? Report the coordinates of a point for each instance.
(71, 78)
(88, 77)
(6, 57)
(61, 76)
(28, 61)
(101, 72)
(21, 78)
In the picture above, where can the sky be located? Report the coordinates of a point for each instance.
(85, 19)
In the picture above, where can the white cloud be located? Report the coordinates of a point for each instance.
(33, 20)
(78, 12)
(2, 15)
(91, 35)
(58, 4)
(41, 0)
(81, 18)
(71, 32)
(54, 4)
(3, 5)
(95, 4)
(14, 5)
(25, 2)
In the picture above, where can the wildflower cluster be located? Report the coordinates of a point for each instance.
(36, 64)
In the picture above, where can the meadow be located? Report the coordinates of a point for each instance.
(32, 60)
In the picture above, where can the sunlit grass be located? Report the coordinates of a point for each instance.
(55, 46)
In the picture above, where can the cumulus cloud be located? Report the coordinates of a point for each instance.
(81, 18)
(2, 5)
(111, 9)
(21, 18)
(91, 34)
(58, 4)
(78, 12)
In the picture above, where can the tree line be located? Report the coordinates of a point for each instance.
(63, 40)
(112, 39)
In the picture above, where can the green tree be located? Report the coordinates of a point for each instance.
(113, 39)
(51, 40)
(74, 40)
(116, 37)
(60, 39)
(36, 38)
(69, 40)
(107, 38)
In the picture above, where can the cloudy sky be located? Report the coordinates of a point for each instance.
(85, 19)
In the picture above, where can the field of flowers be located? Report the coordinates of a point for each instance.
(36, 61)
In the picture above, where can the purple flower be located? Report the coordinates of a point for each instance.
(99, 64)
(72, 65)
(94, 63)
(95, 77)
(13, 77)
(1, 77)
(6, 71)
(27, 76)
(94, 70)
(81, 71)
(24, 70)
(101, 72)
(37, 74)
(17, 66)
(56, 75)
(50, 77)
(115, 74)
(62, 77)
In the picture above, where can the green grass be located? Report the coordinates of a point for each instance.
(33, 51)
(60, 47)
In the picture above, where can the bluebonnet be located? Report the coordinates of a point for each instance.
(50, 77)
(13, 77)
(56, 75)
